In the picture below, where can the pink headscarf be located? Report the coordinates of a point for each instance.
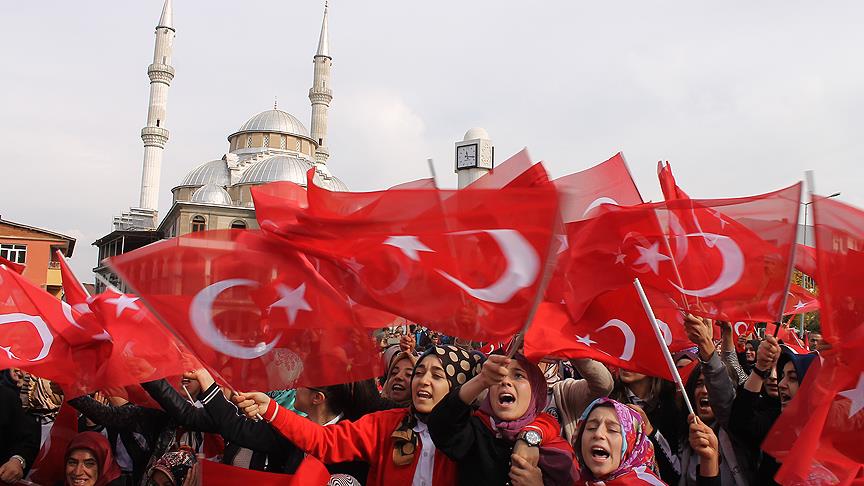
(637, 453)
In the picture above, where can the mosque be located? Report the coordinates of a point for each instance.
(270, 146)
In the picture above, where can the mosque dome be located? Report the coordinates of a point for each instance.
(274, 121)
(211, 194)
(323, 178)
(277, 168)
(476, 133)
(214, 172)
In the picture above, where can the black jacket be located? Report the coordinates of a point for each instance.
(19, 431)
(481, 457)
(750, 422)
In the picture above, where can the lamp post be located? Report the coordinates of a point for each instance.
(805, 242)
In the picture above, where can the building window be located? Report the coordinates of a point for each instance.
(283, 142)
(199, 224)
(298, 144)
(14, 253)
(249, 141)
(238, 224)
(266, 139)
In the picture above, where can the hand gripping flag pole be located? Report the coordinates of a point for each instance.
(665, 349)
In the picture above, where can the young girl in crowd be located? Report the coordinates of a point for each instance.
(482, 442)
(396, 443)
(397, 386)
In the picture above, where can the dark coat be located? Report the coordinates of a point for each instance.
(19, 431)
(750, 422)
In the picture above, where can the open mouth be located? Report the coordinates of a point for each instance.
(79, 481)
(703, 402)
(599, 453)
(424, 395)
(784, 398)
(398, 387)
(506, 399)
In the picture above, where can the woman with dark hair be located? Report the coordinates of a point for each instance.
(656, 398)
(395, 443)
(751, 424)
(89, 461)
(482, 443)
(397, 384)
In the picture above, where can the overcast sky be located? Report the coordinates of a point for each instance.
(740, 97)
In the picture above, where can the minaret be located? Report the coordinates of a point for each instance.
(154, 134)
(320, 94)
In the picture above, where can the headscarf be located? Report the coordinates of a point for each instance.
(801, 362)
(556, 457)
(175, 464)
(459, 367)
(98, 445)
(637, 453)
(395, 358)
(387, 357)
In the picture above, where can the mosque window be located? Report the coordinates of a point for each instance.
(199, 224)
(283, 142)
(298, 145)
(266, 139)
(238, 224)
(249, 141)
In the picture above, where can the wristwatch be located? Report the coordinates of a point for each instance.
(764, 374)
(530, 437)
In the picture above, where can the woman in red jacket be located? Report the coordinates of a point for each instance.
(396, 443)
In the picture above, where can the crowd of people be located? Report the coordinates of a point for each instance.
(444, 413)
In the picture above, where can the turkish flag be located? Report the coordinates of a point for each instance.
(614, 330)
(49, 466)
(800, 301)
(805, 259)
(818, 434)
(667, 183)
(16, 267)
(139, 347)
(506, 173)
(32, 326)
(724, 259)
(260, 316)
(609, 182)
(480, 253)
(310, 472)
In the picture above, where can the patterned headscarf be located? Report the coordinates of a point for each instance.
(459, 367)
(176, 465)
(637, 453)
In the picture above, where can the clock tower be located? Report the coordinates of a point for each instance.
(475, 156)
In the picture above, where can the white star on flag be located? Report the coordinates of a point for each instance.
(620, 257)
(856, 395)
(586, 340)
(353, 264)
(800, 304)
(563, 245)
(292, 301)
(123, 302)
(651, 256)
(409, 244)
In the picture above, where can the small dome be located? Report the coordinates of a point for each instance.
(277, 168)
(211, 194)
(329, 182)
(476, 133)
(214, 172)
(276, 121)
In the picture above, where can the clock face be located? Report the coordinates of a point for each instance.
(466, 156)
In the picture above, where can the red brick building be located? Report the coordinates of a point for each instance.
(35, 248)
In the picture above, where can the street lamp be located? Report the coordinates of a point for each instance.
(805, 242)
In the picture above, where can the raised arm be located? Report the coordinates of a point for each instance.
(126, 417)
(175, 405)
(341, 442)
(596, 382)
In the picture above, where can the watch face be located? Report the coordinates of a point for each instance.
(466, 156)
(532, 438)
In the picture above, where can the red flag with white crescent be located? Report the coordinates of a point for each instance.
(478, 252)
(260, 316)
(613, 330)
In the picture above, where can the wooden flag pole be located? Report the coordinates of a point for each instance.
(665, 349)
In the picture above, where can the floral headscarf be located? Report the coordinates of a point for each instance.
(637, 453)
(176, 465)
